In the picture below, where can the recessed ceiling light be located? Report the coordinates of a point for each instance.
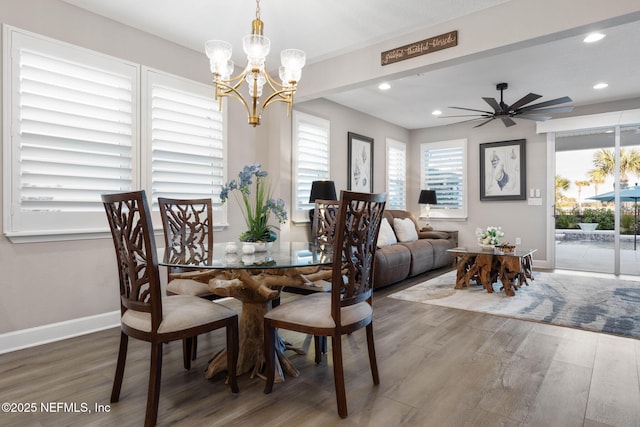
(600, 85)
(384, 86)
(594, 37)
(436, 112)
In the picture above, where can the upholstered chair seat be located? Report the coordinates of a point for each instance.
(179, 312)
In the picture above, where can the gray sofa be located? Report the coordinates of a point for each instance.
(400, 260)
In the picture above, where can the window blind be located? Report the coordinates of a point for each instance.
(311, 151)
(396, 174)
(73, 115)
(188, 144)
(443, 170)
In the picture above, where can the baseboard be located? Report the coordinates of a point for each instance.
(39, 335)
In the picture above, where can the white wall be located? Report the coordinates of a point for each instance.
(45, 283)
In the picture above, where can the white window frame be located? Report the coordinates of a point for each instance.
(441, 210)
(154, 78)
(87, 223)
(395, 148)
(300, 207)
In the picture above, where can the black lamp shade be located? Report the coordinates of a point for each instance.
(323, 190)
(427, 197)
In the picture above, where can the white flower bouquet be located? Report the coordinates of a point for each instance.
(489, 236)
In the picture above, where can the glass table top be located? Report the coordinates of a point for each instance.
(281, 254)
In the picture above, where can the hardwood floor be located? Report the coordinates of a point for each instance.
(438, 367)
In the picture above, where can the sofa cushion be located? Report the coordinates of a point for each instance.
(422, 256)
(392, 264)
(442, 258)
(386, 236)
(405, 229)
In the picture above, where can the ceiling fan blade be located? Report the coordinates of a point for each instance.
(466, 115)
(493, 103)
(550, 103)
(507, 121)
(471, 109)
(524, 100)
(485, 122)
(533, 117)
(564, 109)
(470, 120)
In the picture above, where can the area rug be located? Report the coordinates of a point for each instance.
(598, 304)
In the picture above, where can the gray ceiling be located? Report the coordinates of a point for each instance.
(566, 67)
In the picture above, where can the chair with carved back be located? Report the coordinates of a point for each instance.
(324, 221)
(148, 315)
(347, 308)
(188, 234)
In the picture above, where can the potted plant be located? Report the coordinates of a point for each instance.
(252, 191)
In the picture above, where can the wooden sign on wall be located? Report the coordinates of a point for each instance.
(423, 47)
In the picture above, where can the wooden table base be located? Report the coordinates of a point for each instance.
(256, 289)
(487, 269)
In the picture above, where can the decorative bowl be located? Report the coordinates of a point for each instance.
(507, 248)
(486, 247)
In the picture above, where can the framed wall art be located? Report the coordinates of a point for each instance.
(503, 170)
(360, 163)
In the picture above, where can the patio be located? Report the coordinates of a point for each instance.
(594, 251)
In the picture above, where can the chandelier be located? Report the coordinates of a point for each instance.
(256, 46)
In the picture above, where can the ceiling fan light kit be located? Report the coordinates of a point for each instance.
(521, 109)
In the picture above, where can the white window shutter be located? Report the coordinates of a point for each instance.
(396, 174)
(188, 140)
(311, 159)
(72, 132)
(443, 169)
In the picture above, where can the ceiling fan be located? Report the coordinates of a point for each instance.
(518, 109)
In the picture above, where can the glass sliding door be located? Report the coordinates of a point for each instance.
(630, 201)
(596, 200)
(584, 227)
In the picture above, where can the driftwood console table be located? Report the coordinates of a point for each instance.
(486, 267)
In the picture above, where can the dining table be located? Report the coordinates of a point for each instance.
(256, 279)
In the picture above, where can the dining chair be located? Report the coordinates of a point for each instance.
(146, 314)
(188, 233)
(324, 221)
(347, 307)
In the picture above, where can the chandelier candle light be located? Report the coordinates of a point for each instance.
(256, 46)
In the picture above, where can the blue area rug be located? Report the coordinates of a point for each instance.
(598, 304)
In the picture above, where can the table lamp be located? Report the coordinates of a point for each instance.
(323, 190)
(427, 197)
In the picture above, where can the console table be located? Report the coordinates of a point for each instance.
(488, 266)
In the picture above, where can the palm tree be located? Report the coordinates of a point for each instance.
(597, 178)
(562, 184)
(581, 184)
(605, 161)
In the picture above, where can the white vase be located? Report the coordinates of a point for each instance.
(256, 246)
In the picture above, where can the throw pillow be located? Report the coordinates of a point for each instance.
(386, 236)
(405, 229)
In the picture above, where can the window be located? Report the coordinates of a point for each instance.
(311, 159)
(396, 174)
(72, 132)
(443, 169)
(188, 141)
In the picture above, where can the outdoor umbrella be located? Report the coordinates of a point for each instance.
(629, 194)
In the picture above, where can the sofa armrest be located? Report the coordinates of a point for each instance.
(433, 234)
(440, 234)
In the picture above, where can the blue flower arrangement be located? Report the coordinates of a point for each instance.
(256, 211)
